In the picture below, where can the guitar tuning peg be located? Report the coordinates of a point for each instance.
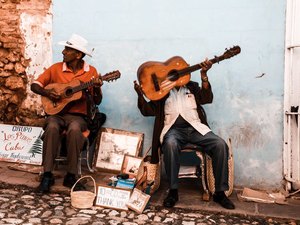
(217, 59)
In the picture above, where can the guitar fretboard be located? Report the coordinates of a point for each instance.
(82, 86)
(198, 66)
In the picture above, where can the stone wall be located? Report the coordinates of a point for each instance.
(18, 105)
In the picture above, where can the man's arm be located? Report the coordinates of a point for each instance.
(204, 93)
(146, 108)
(97, 95)
(36, 88)
(97, 90)
(206, 65)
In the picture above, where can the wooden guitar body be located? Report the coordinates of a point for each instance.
(151, 74)
(67, 96)
(158, 78)
(71, 91)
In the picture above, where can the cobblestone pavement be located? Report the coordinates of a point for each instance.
(21, 205)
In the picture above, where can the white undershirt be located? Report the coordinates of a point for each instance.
(182, 102)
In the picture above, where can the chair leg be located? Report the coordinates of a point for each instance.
(79, 166)
(88, 161)
(206, 194)
(86, 152)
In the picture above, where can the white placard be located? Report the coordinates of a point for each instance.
(21, 144)
(112, 197)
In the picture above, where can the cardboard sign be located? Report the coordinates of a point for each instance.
(21, 144)
(138, 200)
(112, 197)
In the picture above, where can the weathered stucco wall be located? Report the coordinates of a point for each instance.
(248, 89)
(25, 50)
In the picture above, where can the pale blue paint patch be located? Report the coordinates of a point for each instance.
(248, 109)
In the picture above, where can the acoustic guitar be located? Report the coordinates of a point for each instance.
(158, 78)
(70, 92)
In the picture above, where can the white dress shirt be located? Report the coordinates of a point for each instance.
(182, 102)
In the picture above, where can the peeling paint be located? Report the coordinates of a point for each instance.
(38, 48)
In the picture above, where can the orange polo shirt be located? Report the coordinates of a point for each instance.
(61, 74)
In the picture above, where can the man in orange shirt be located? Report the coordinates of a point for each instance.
(72, 118)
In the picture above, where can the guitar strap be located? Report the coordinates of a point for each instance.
(95, 119)
(90, 104)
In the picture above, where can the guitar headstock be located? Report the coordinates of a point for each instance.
(231, 52)
(114, 75)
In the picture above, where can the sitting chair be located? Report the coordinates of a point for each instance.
(196, 164)
(85, 154)
(193, 165)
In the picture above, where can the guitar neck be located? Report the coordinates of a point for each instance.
(107, 77)
(198, 66)
(82, 86)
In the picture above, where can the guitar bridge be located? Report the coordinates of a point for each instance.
(155, 82)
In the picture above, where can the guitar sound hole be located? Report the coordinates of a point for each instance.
(173, 75)
(69, 92)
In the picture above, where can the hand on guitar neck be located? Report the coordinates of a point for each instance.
(98, 82)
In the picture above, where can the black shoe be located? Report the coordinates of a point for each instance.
(222, 199)
(46, 183)
(171, 199)
(69, 182)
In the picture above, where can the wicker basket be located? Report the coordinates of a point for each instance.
(83, 199)
(153, 171)
(153, 174)
(210, 174)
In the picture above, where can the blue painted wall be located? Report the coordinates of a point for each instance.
(248, 89)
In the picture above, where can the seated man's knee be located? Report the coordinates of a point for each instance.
(74, 127)
(52, 128)
(222, 147)
(170, 144)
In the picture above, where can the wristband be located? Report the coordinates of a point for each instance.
(204, 79)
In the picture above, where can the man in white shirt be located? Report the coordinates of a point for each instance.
(179, 120)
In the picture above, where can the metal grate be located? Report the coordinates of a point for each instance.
(292, 150)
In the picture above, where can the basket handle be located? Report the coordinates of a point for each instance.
(146, 154)
(83, 178)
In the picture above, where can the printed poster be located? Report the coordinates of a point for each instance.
(21, 144)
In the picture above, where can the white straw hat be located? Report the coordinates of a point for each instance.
(77, 42)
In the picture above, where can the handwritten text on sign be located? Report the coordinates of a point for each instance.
(21, 144)
(112, 197)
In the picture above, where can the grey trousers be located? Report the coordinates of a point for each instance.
(73, 126)
(210, 143)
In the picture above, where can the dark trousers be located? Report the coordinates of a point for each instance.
(176, 138)
(73, 126)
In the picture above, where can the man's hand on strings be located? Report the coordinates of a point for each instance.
(52, 95)
(167, 85)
